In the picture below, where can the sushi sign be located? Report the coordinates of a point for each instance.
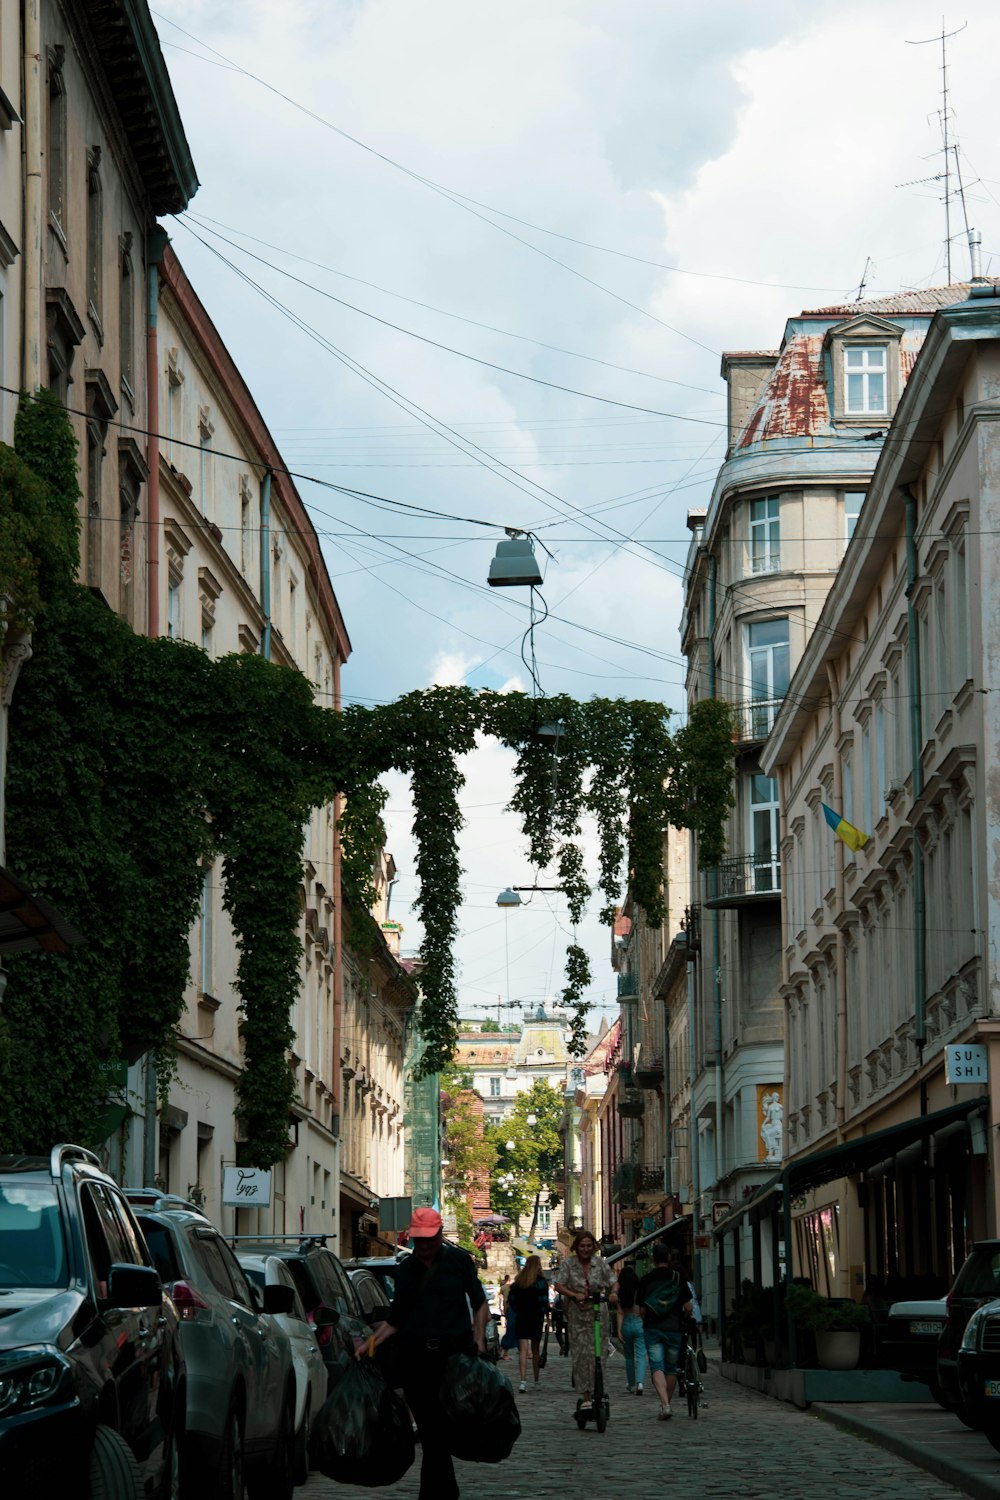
(965, 1064)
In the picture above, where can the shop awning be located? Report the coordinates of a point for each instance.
(848, 1159)
(29, 922)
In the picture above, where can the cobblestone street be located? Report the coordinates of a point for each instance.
(742, 1444)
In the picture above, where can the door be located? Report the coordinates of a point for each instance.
(133, 1339)
(764, 834)
(767, 647)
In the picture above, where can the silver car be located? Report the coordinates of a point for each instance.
(307, 1359)
(239, 1422)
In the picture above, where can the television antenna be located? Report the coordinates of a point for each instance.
(944, 115)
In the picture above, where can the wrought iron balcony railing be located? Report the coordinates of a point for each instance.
(743, 879)
(754, 720)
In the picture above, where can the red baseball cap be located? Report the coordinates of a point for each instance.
(425, 1223)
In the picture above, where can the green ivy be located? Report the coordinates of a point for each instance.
(134, 761)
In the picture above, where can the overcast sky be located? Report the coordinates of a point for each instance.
(765, 158)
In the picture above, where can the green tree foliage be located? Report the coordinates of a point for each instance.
(529, 1156)
(135, 761)
(470, 1156)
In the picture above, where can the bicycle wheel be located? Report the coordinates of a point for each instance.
(691, 1384)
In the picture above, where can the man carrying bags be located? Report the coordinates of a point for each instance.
(435, 1288)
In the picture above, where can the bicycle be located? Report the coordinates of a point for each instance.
(688, 1370)
(600, 1408)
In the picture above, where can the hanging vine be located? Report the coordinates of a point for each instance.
(135, 762)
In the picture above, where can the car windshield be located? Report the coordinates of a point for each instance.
(32, 1252)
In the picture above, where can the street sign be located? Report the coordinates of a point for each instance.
(246, 1187)
(965, 1063)
(719, 1211)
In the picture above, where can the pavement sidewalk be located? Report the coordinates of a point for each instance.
(927, 1436)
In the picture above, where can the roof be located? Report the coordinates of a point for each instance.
(123, 33)
(921, 300)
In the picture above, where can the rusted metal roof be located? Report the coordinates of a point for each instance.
(794, 400)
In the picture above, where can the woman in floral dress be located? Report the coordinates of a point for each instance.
(579, 1276)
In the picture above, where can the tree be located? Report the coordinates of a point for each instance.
(529, 1152)
(470, 1157)
(490, 1025)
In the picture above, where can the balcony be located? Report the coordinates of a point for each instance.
(649, 1073)
(754, 720)
(745, 881)
(628, 989)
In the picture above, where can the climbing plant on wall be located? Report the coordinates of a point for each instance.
(133, 761)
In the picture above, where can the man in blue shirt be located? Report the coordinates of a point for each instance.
(439, 1308)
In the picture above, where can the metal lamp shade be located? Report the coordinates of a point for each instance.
(508, 898)
(514, 565)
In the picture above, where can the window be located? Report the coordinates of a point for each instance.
(853, 501)
(769, 671)
(206, 428)
(765, 535)
(764, 833)
(881, 782)
(847, 774)
(544, 1218)
(866, 779)
(246, 524)
(95, 239)
(126, 321)
(960, 604)
(57, 141)
(206, 930)
(494, 1088)
(173, 603)
(865, 379)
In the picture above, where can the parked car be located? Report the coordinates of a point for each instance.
(321, 1282)
(372, 1293)
(239, 1424)
(909, 1340)
(307, 1359)
(91, 1376)
(977, 1283)
(978, 1366)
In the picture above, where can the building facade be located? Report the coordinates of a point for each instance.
(889, 951)
(806, 424)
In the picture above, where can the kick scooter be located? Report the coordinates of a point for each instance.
(600, 1408)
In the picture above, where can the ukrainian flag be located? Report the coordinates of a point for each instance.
(853, 837)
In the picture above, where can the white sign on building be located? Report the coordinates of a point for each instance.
(965, 1063)
(246, 1187)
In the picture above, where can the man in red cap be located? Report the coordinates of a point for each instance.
(439, 1308)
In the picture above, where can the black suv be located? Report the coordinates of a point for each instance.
(91, 1381)
(977, 1282)
(322, 1283)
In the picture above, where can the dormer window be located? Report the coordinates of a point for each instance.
(865, 380)
(864, 362)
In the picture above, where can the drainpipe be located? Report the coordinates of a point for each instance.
(31, 349)
(916, 746)
(336, 1082)
(265, 563)
(713, 878)
(838, 858)
(156, 243)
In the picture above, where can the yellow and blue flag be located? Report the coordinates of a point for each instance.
(853, 837)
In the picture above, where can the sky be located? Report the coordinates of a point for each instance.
(586, 203)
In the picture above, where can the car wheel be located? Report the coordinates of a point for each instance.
(967, 1415)
(114, 1473)
(301, 1465)
(276, 1480)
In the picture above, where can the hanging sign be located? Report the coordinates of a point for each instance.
(965, 1063)
(246, 1187)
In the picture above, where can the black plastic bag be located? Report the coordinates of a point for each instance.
(478, 1403)
(363, 1433)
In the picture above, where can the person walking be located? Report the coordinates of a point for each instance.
(529, 1299)
(581, 1276)
(433, 1292)
(509, 1340)
(630, 1329)
(663, 1297)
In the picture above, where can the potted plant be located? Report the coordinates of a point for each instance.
(836, 1324)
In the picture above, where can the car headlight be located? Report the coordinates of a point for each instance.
(970, 1338)
(31, 1377)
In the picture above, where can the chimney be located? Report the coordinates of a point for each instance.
(745, 372)
(975, 254)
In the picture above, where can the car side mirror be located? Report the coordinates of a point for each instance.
(326, 1317)
(134, 1286)
(278, 1299)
